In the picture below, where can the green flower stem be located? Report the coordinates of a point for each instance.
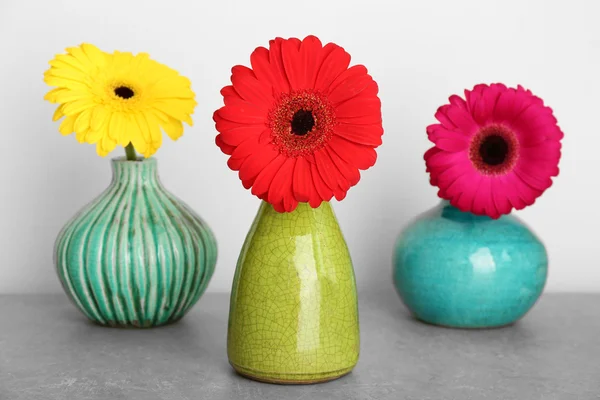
(130, 153)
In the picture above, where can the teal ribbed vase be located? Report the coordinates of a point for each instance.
(136, 256)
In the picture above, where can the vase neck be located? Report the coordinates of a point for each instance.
(453, 213)
(144, 172)
(302, 210)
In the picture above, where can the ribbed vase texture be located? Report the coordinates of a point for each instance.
(293, 312)
(136, 256)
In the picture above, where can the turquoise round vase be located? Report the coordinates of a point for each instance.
(457, 269)
(136, 256)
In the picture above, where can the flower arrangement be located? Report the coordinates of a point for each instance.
(495, 150)
(299, 124)
(136, 256)
(466, 263)
(118, 99)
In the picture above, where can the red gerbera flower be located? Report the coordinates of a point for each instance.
(495, 151)
(300, 124)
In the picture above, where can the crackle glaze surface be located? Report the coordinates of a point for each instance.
(293, 313)
(136, 256)
(457, 269)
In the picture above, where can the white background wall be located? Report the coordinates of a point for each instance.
(420, 52)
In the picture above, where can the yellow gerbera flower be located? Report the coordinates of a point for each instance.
(118, 99)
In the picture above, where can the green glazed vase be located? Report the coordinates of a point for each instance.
(136, 256)
(293, 313)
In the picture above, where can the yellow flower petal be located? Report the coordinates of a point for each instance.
(135, 135)
(68, 95)
(69, 60)
(117, 129)
(58, 114)
(105, 146)
(153, 127)
(143, 126)
(51, 95)
(80, 136)
(80, 55)
(67, 126)
(64, 83)
(70, 74)
(82, 124)
(93, 136)
(100, 117)
(178, 109)
(95, 55)
(77, 106)
(173, 128)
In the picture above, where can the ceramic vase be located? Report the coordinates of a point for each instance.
(293, 312)
(460, 270)
(136, 256)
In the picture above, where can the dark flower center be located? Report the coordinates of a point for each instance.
(303, 122)
(124, 92)
(493, 150)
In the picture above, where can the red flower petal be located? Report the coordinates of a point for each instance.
(249, 87)
(259, 59)
(336, 62)
(362, 157)
(237, 136)
(265, 177)
(223, 124)
(302, 182)
(351, 173)
(290, 54)
(232, 98)
(225, 148)
(310, 60)
(326, 169)
(331, 175)
(265, 136)
(244, 150)
(368, 135)
(243, 115)
(321, 187)
(281, 83)
(255, 163)
(350, 84)
(370, 119)
(289, 202)
(359, 107)
(281, 185)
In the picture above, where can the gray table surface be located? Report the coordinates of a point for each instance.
(49, 351)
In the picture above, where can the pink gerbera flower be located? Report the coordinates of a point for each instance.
(495, 150)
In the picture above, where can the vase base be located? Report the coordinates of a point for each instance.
(470, 327)
(291, 379)
(135, 325)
